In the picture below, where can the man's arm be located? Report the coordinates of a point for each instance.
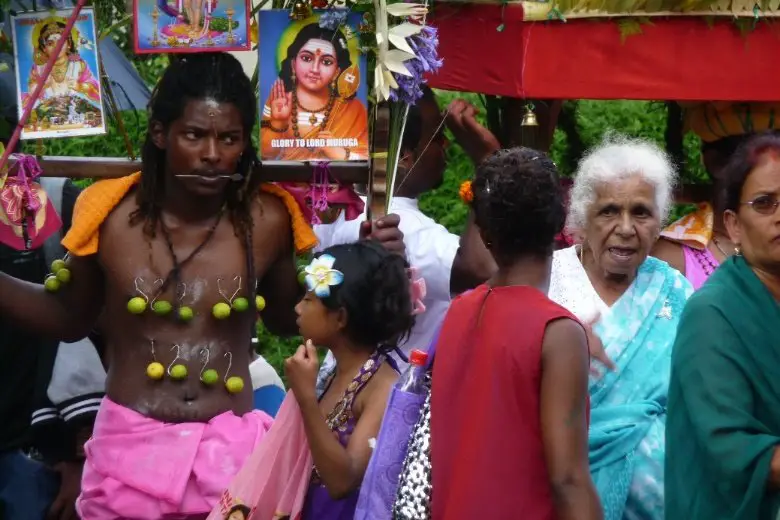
(564, 415)
(473, 262)
(279, 284)
(68, 314)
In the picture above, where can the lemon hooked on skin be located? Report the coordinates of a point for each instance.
(259, 303)
(209, 377)
(63, 275)
(234, 385)
(240, 304)
(155, 371)
(185, 313)
(161, 307)
(51, 284)
(136, 305)
(221, 310)
(302, 277)
(178, 372)
(57, 265)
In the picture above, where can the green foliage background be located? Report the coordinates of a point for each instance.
(594, 120)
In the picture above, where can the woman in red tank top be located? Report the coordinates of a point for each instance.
(509, 402)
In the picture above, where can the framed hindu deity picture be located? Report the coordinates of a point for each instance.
(313, 90)
(71, 102)
(182, 26)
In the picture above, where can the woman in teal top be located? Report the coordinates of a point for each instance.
(723, 425)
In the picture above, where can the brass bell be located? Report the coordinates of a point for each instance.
(300, 11)
(529, 118)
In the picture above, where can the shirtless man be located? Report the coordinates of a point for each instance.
(157, 252)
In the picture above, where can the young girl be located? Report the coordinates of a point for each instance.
(357, 304)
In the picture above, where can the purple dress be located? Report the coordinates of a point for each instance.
(699, 265)
(341, 420)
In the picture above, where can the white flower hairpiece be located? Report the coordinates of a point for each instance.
(320, 276)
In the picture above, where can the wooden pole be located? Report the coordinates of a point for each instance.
(39, 86)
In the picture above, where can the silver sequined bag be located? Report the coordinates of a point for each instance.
(413, 501)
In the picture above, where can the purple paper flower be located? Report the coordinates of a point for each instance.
(332, 19)
(425, 45)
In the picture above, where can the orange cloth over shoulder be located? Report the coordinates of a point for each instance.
(97, 201)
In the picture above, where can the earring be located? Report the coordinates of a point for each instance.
(207, 376)
(177, 371)
(737, 250)
(155, 370)
(293, 78)
(233, 384)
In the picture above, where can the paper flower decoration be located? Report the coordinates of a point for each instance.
(320, 276)
(389, 60)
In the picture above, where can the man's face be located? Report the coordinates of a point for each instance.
(206, 141)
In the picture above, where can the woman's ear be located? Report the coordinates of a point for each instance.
(733, 226)
(341, 318)
(157, 131)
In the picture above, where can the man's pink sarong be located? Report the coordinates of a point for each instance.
(138, 468)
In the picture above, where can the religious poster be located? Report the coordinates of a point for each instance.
(181, 26)
(71, 102)
(313, 89)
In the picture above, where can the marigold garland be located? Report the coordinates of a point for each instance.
(466, 195)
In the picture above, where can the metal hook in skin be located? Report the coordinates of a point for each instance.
(154, 356)
(177, 348)
(204, 352)
(183, 292)
(238, 279)
(157, 282)
(137, 281)
(228, 355)
(219, 289)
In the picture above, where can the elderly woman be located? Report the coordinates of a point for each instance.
(620, 197)
(724, 397)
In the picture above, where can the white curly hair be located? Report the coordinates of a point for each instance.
(619, 157)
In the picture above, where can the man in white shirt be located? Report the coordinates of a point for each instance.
(430, 248)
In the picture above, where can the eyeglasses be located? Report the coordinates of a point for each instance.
(764, 204)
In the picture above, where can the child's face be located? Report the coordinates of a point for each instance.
(316, 322)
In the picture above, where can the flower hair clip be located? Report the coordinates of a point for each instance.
(320, 276)
(417, 290)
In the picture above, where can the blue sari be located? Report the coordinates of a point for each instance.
(628, 406)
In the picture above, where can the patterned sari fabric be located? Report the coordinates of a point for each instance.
(628, 406)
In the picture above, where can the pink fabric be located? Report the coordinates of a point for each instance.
(699, 265)
(142, 469)
(274, 481)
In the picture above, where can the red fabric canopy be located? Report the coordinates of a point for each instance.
(679, 58)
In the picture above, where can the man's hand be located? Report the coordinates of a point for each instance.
(385, 231)
(476, 140)
(64, 505)
(301, 370)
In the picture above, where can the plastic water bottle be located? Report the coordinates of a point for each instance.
(413, 380)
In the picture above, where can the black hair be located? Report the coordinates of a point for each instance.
(375, 293)
(56, 27)
(743, 161)
(239, 507)
(518, 203)
(314, 31)
(211, 75)
(413, 128)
